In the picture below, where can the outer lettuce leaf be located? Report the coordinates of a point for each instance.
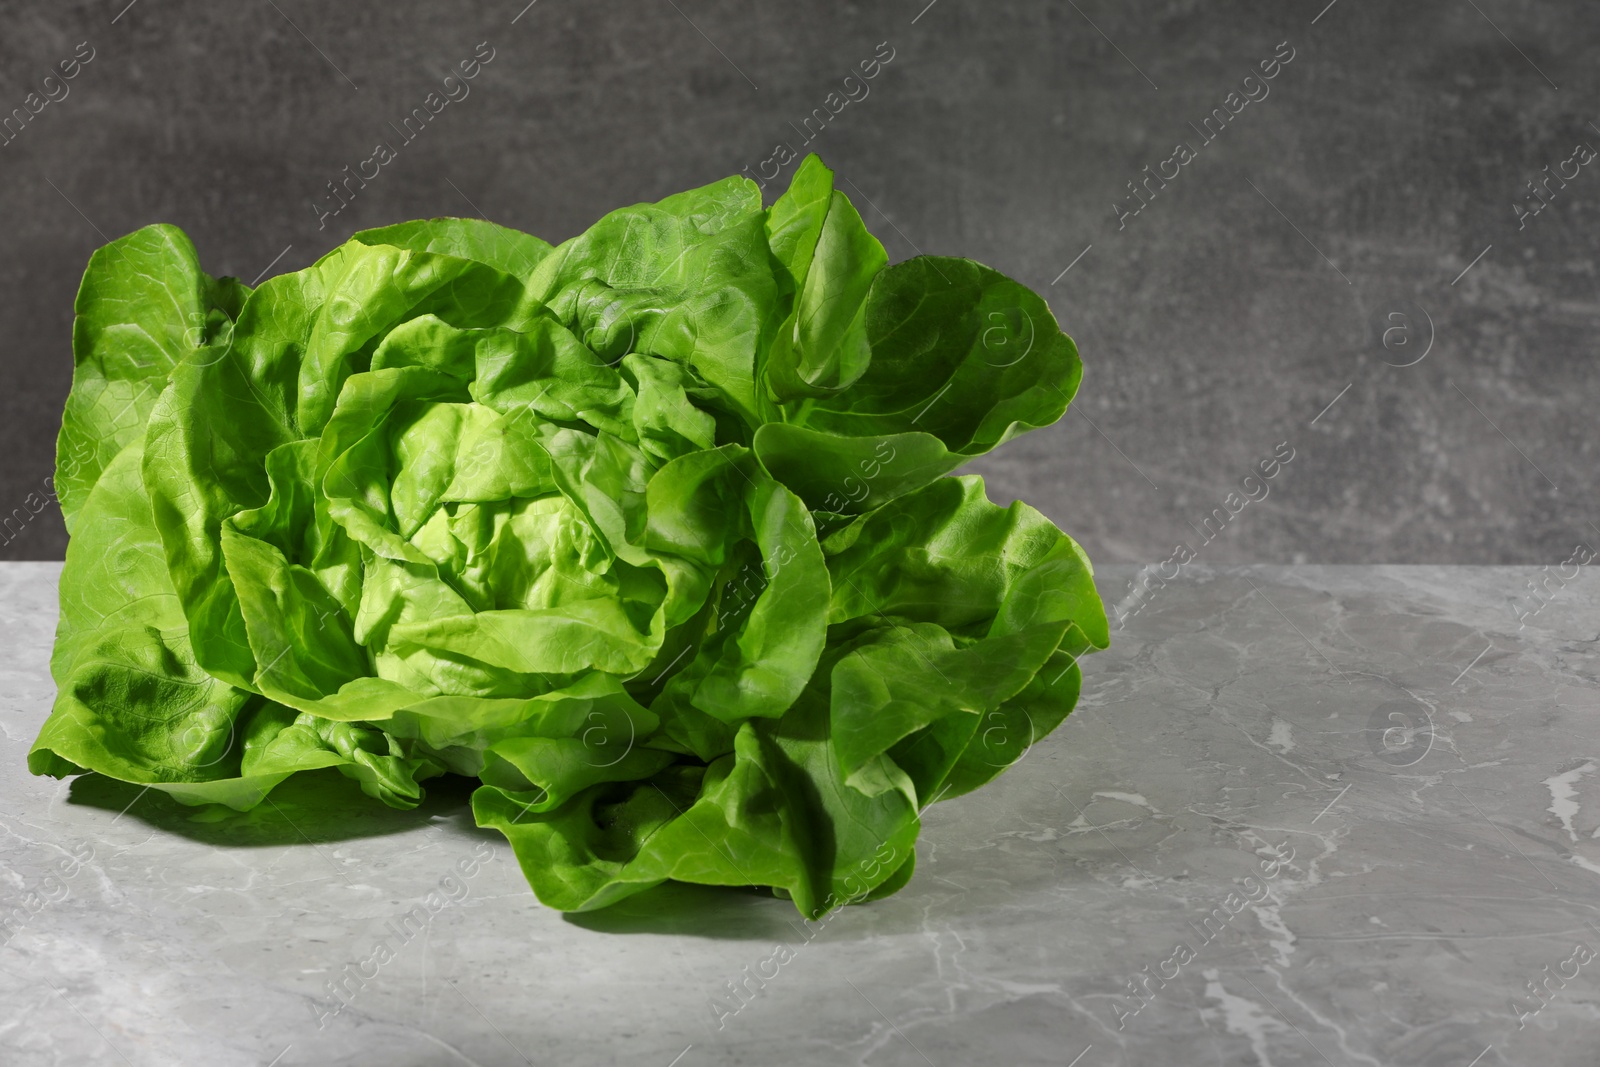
(764, 648)
(144, 305)
(509, 251)
(650, 533)
(132, 702)
(687, 279)
(929, 362)
(962, 359)
(907, 677)
(831, 260)
(775, 812)
(946, 555)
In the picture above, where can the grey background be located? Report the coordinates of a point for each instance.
(1216, 325)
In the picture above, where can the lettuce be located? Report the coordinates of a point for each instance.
(652, 533)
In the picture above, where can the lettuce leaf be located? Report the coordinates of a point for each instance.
(652, 532)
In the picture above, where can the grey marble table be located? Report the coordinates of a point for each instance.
(1303, 815)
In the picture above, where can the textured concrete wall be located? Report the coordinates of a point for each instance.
(1382, 160)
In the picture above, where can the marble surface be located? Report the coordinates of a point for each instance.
(1303, 815)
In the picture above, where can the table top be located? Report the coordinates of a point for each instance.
(1301, 815)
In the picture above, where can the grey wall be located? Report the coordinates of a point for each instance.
(1215, 324)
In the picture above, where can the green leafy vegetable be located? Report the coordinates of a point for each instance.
(652, 533)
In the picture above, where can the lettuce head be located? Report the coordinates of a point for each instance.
(653, 533)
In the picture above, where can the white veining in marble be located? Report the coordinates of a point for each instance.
(1563, 795)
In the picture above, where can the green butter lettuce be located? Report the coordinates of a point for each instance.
(652, 532)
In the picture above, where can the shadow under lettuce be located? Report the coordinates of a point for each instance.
(734, 913)
(320, 807)
(316, 806)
